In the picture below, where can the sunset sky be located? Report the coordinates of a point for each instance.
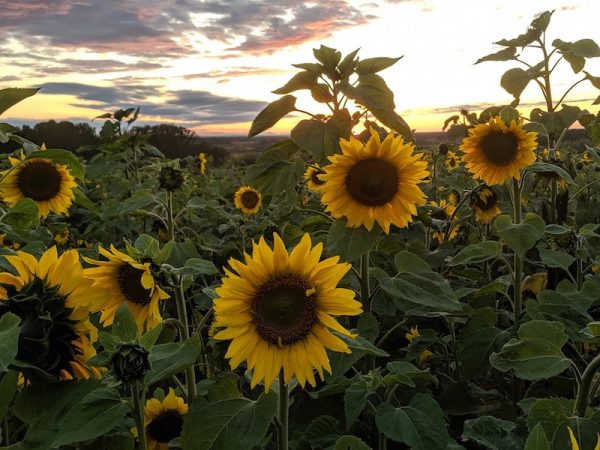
(211, 65)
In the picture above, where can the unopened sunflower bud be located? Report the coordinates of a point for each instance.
(170, 178)
(442, 149)
(130, 362)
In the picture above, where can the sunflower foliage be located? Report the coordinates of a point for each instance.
(351, 289)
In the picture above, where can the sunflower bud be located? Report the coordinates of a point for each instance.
(170, 178)
(130, 362)
(442, 149)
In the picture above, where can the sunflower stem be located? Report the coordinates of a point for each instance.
(138, 412)
(518, 262)
(5, 433)
(190, 376)
(170, 221)
(583, 394)
(283, 412)
(365, 294)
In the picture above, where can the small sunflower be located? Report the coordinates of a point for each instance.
(202, 162)
(495, 152)
(452, 161)
(454, 198)
(443, 211)
(277, 311)
(51, 296)
(163, 420)
(6, 242)
(123, 280)
(312, 177)
(47, 183)
(374, 182)
(62, 237)
(248, 200)
(484, 203)
(425, 354)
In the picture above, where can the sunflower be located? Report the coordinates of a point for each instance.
(123, 280)
(6, 242)
(248, 200)
(202, 162)
(495, 152)
(425, 354)
(484, 203)
(376, 182)
(163, 420)
(444, 211)
(277, 311)
(575, 444)
(62, 237)
(451, 161)
(50, 295)
(312, 177)
(47, 183)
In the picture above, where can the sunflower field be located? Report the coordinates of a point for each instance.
(347, 290)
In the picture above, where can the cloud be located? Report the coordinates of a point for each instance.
(194, 108)
(234, 72)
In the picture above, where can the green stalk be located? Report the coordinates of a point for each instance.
(138, 412)
(518, 261)
(365, 288)
(190, 375)
(283, 413)
(170, 221)
(583, 394)
(5, 433)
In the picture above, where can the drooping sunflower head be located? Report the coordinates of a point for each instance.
(445, 207)
(312, 177)
(277, 309)
(123, 280)
(484, 203)
(50, 295)
(495, 152)
(202, 162)
(452, 161)
(413, 334)
(163, 420)
(248, 200)
(374, 182)
(47, 183)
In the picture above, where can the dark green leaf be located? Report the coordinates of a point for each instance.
(172, 358)
(351, 243)
(537, 439)
(11, 96)
(124, 327)
(493, 433)
(350, 443)
(476, 253)
(272, 113)
(514, 81)
(302, 80)
(23, 216)
(554, 258)
(355, 400)
(503, 55)
(9, 339)
(65, 157)
(373, 65)
(523, 236)
(542, 167)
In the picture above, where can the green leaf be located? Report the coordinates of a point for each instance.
(228, 424)
(543, 167)
(514, 81)
(9, 339)
(302, 80)
(274, 171)
(355, 400)
(547, 413)
(172, 358)
(124, 327)
(554, 258)
(321, 139)
(148, 339)
(347, 442)
(585, 48)
(476, 253)
(11, 96)
(420, 424)
(8, 389)
(197, 266)
(536, 354)
(537, 439)
(391, 119)
(23, 216)
(360, 344)
(351, 243)
(368, 327)
(348, 64)
(493, 433)
(557, 230)
(373, 65)
(328, 56)
(523, 236)
(506, 54)
(82, 200)
(65, 157)
(146, 246)
(272, 113)
(98, 413)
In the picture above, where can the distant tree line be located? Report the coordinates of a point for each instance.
(172, 140)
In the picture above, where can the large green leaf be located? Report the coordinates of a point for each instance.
(476, 253)
(420, 424)
(9, 339)
(302, 80)
(11, 96)
(542, 167)
(536, 354)
(514, 81)
(355, 400)
(23, 216)
(347, 442)
(320, 139)
(493, 433)
(537, 439)
(172, 358)
(98, 413)
(272, 113)
(350, 243)
(8, 389)
(523, 236)
(555, 258)
(65, 157)
(505, 54)
(228, 424)
(373, 65)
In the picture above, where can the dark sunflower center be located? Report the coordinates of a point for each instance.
(249, 199)
(484, 202)
(46, 332)
(314, 177)
(372, 182)
(130, 283)
(500, 148)
(166, 426)
(283, 312)
(452, 162)
(39, 180)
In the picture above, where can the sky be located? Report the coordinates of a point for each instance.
(210, 65)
